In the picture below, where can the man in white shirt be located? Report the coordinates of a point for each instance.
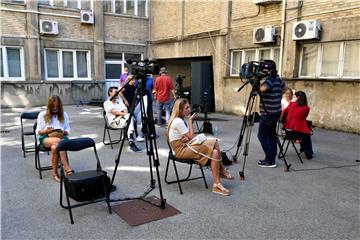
(117, 116)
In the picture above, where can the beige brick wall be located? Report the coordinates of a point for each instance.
(125, 29)
(12, 23)
(164, 18)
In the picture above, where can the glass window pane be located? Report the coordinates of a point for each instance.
(277, 57)
(330, 59)
(309, 60)
(133, 56)
(72, 3)
(141, 8)
(264, 54)
(52, 63)
(352, 59)
(119, 6)
(1, 64)
(107, 6)
(249, 56)
(44, 2)
(113, 71)
(68, 69)
(58, 3)
(14, 63)
(86, 4)
(236, 63)
(81, 60)
(130, 4)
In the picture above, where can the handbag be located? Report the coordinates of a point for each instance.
(58, 133)
(199, 139)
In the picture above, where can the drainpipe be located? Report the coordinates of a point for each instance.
(282, 36)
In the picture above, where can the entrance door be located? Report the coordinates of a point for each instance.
(113, 70)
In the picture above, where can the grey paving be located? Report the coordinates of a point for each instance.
(317, 200)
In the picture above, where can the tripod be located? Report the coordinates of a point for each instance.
(150, 141)
(250, 118)
(206, 126)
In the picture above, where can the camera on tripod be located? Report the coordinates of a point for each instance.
(179, 87)
(141, 68)
(254, 71)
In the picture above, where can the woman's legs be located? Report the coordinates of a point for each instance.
(52, 143)
(215, 166)
(222, 169)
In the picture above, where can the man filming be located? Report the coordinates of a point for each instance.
(270, 110)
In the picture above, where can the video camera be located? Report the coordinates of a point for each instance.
(254, 71)
(141, 68)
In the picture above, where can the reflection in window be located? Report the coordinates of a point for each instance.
(107, 6)
(236, 61)
(44, 2)
(81, 63)
(14, 62)
(86, 4)
(68, 66)
(264, 54)
(141, 8)
(250, 55)
(52, 63)
(309, 60)
(119, 6)
(352, 59)
(330, 60)
(130, 7)
(72, 4)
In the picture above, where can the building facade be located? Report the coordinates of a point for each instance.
(207, 41)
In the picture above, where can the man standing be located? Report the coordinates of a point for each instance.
(123, 76)
(117, 116)
(163, 87)
(270, 110)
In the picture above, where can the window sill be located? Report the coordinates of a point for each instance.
(76, 10)
(125, 15)
(323, 79)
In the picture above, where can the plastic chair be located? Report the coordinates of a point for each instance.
(27, 116)
(190, 162)
(38, 149)
(87, 186)
(107, 129)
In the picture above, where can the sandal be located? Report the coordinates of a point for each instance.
(220, 189)
(69, 172)
(56, 178)
(226, 175)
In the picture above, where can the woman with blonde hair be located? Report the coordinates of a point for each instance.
(180, 133)
(52, 127)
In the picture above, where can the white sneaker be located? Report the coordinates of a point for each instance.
(140, 139)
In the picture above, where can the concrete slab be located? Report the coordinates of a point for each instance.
(316, 200)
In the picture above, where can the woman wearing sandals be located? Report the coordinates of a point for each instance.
(179, 133)
(52, 127)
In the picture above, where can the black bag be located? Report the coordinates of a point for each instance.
(207, 127)
(225, 160)
(87, 185)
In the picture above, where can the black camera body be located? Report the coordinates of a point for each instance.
(254, 71)
(140, 69)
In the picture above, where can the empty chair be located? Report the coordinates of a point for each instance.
(24, 132)
(86, 187)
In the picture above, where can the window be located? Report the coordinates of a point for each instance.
(75, 4)
(239, 57)
(61, 64)
(12, 63)
(115, 63)
(330, 60)
(129, 7)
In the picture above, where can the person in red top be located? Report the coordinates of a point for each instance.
(162, 90)
(296, 124)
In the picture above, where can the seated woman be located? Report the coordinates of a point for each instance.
(296, 124)
(287, 99)
(179, 133)
(52, 127)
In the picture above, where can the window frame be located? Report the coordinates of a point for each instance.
(51, 3)
(6, 64)
(243, 56)
(319, 65)
(60, 64)
(124, 10)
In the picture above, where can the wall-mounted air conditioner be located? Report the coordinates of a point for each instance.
(266, 2)
(264, 34)
(309, 29)
(49, 27)
(87, 17)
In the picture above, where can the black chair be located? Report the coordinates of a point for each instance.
(39, 149)
(86, 187)
(190, 162)
(107, 129)
(27, 116)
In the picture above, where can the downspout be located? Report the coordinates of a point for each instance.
(282, 36)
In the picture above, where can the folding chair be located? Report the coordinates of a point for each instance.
(86, 187)
(107, 129)
(191, 162)
(27, 116)
(39, 149)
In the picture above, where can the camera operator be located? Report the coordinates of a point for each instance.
(270, 110)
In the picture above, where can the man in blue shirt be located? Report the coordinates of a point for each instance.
(270, 110)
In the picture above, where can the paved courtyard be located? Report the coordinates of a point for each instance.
(316, 200)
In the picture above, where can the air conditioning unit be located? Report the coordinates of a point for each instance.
(87, 17)
(309, 29)
(264, 34)
(49, 27)
(266, 2)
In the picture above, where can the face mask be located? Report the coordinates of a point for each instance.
(55, 111)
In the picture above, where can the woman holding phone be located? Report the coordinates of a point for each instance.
(52, 127)
(180, 135)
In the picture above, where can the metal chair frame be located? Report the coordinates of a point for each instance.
(107, 129)
(29, 116)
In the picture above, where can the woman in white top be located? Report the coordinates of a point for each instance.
(54, 119)
(179, 133)
(287, 99)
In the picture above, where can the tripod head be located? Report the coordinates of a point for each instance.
(180, 86)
